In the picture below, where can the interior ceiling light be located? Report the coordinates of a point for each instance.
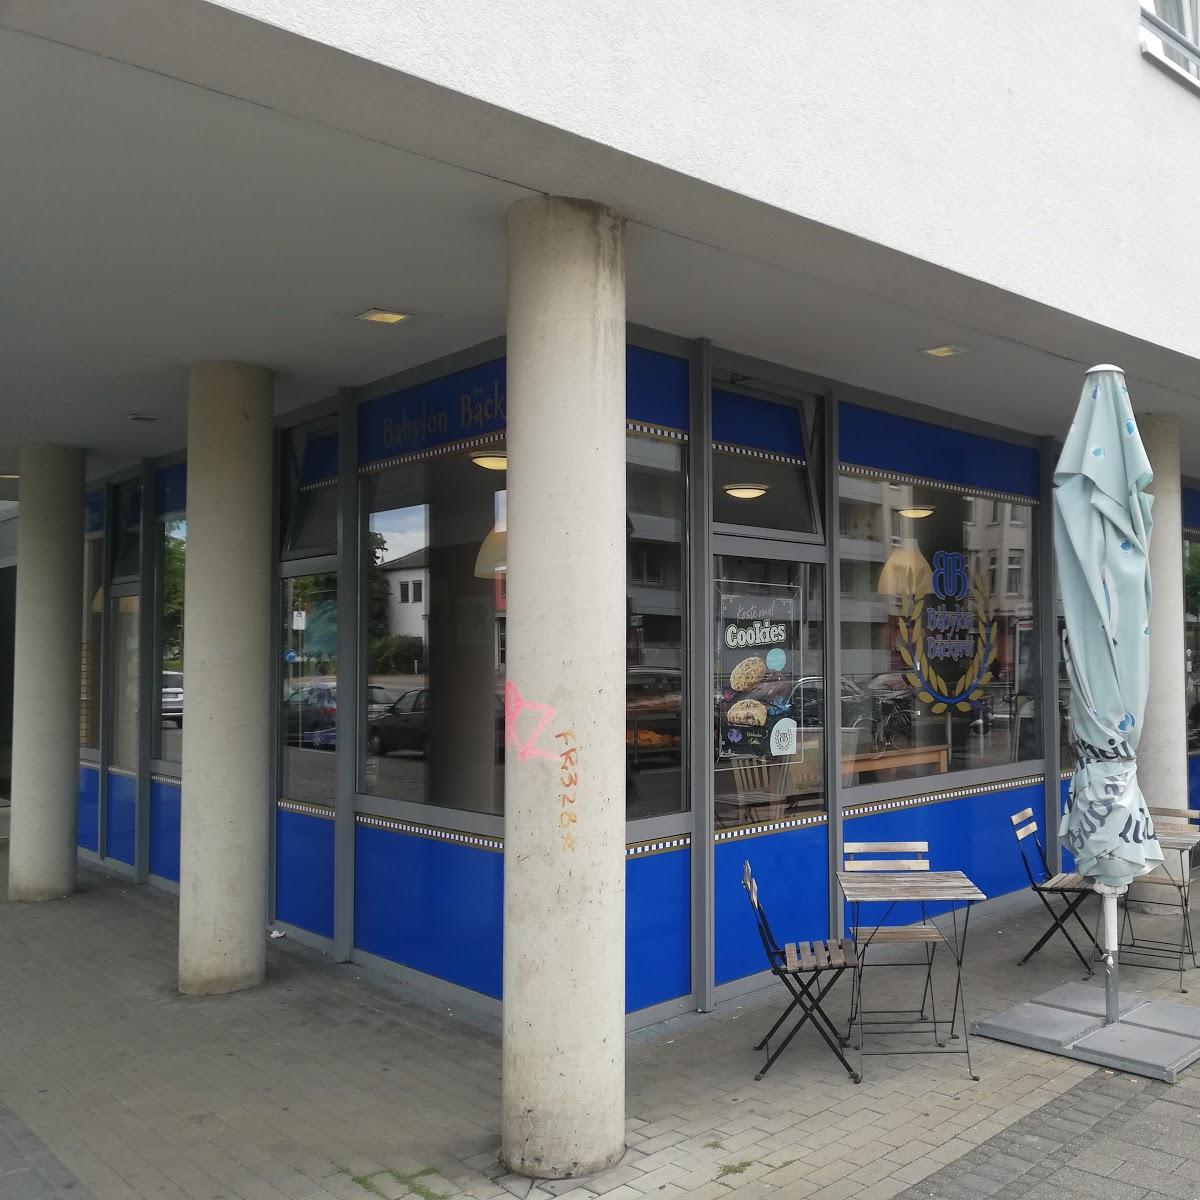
(490, 460)
(916, 511)
(141, 418)
(944, 351)
(382, 316)
(745, 491)
(10, 477)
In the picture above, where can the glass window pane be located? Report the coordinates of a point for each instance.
(434, 560)
(125, 699)
(759, 460)
(655, 737)
(309, 502)
(1191, 634)
(127, 529)
(769, 697)
(90, 661)
(939, 632)
(172, 556)
(309, 713)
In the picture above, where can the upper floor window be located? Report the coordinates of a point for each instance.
(1170, 29)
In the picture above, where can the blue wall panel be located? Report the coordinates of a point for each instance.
(435, 906)
(658, 928)
(972, 834)
(164, 830)
(868, 437)
(792, 871)
(1190, 505)
(170, 489)
(89, 809)
(304, 871)
(121, 819)
(1194, 781)
(1064, 797)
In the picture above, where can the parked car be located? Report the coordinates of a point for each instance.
(170, 706)
(404, 726)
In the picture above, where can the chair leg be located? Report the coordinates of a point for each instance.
(1057, 925)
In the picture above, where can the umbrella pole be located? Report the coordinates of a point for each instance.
(1108, 898)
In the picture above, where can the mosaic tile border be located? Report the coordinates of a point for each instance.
(480, 841)
(788, 460)
(318, 485)
(658, 431)
(759, 828)
(309, 810)
(977, 789)
(124, 772)
(158, 777)
(91, 766)
(399, 460)
(920, 481)
(658, 846)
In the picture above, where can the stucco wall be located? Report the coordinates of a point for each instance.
(1025, 144)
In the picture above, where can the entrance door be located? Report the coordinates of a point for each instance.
(769, 781)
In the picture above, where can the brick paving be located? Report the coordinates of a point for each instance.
(332, 1081)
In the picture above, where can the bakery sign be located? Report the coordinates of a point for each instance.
(947, 636)
(758, 661)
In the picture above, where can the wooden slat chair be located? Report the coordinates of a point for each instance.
(1069, 888)
(900, 859)
(1177, 832)
(760, 789)
(808, 970)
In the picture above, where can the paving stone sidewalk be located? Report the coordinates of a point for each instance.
(331, 1081)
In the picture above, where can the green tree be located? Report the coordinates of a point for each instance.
(378, 590)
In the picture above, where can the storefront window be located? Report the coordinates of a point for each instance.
(1191, 637)
(309, 504)
(172, 555)
(434, 555)
(769, 690)
(761, 479)
(127, 529)
(939, 631)
(93, 624)
(126, 658)
(654, 641)
(309, 714)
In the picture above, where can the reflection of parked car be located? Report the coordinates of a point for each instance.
(171, 704)
(404, 725)
(310, 713)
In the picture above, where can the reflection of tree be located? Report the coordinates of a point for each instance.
(316, 597)
(378, 589)
(174, 555)
(1191, 580)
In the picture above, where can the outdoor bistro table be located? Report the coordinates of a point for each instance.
(922, 887)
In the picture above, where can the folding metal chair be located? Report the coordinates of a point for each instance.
(801, 966)
(1068, 887)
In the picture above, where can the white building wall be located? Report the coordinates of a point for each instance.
(1028, 145)
(408, 618)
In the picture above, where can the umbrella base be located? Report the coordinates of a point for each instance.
(1151, 1038)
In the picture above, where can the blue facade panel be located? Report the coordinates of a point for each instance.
(656, 388)
(792, 872)
(89, 809)
(304, 871)
(1194, 781)
(1190, 504)
(121, 817)
(868, 437)
(658, 928)
(973, 834)
(435, 906)
(760, 424)
(170, 489)
(164, 829)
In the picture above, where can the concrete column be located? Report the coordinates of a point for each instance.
(227, 629)
(564, 868)
(1162, 751)
(45, 753)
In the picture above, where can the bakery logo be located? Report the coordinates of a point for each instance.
(949, 633)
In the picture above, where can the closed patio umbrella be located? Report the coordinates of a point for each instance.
(1102, 525)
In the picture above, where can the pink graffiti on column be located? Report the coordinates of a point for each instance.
(514, 705)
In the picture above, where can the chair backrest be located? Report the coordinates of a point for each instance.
(770, 946)
(1026, 830)
(752, 775)
(886, 856)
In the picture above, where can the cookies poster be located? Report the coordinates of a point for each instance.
(758, 664)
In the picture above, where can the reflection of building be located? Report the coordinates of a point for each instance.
(408, 593)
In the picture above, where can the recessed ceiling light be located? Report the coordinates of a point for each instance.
(10, 477)
(944, 351)
(382, 316)
(745, 491)
(490, 460)
(141, 418)
(916, 511)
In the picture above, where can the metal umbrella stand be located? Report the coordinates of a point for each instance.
(1102, 527)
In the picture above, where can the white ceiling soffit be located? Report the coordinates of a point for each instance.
(194, 185)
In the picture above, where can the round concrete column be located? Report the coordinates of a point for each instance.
(1162, 751)
(564, 775)
(227, 631)
(45, 753)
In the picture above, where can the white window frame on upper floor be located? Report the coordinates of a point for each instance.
(1170, 43)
